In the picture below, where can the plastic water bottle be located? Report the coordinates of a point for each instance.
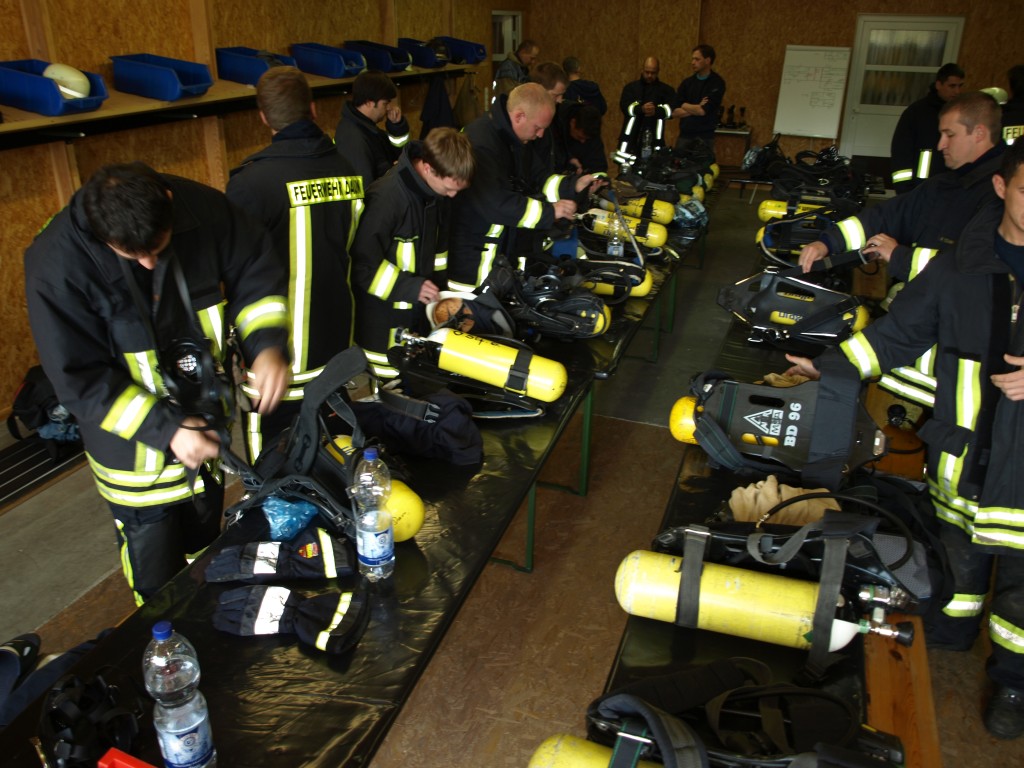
(375, 536)
(170, 669)
(646, 144)
(615, 249)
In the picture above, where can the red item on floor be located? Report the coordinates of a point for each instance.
(115, 758)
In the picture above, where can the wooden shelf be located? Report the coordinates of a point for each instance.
(123, 111)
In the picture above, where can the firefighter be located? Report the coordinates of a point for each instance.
(965, 303)
(513, 190)
(912, 151)
(400, 252)
(309, 198)
(1013, 109)
(132, 291)
(646, 104)
(908, 230)
(515, 69)
(370, 150)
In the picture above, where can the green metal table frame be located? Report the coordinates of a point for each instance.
(580, 490)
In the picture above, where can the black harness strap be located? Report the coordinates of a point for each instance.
(678, 745)
(421, 410)
(648, 209)
(688, 602)
(519, 372)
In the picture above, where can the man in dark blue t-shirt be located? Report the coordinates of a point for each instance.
(699, 98)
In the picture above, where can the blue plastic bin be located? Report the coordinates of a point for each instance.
(22, 85)
(463, 51)
(328, 60)
(160, 77)
(422, 54)
(244, 65)
(386, 58)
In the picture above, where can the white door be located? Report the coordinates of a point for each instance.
(506, 31)
(894, 61)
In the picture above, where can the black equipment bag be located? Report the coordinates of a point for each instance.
(37, 409)
(83, 718)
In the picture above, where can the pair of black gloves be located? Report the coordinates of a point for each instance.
(332, 622)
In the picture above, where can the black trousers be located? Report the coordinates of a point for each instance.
(974, 572)
(154, 541)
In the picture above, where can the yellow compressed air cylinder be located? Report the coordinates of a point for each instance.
(733, 601)
(780, 209)
(607, 289)
(491, 361)
(662, 212)
(656, 233)
(404, 504)
(565, 751)
(682, 420)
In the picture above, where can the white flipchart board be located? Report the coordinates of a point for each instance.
(811, 94)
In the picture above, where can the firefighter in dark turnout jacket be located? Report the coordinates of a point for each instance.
(966, 304)
(646, 104)
(1013, 109)
(309, 198)
(370, 150)
(109, 282)
(909, 230)
(513, 186)
(400, 252)
(912, 151)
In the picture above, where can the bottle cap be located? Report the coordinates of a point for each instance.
(162, 630)
(370, 454)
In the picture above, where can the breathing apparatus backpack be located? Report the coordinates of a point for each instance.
(548, 298)
(309, 463)
(501, 377)
(728, 714)
(816, 432)
(882, 564)
(824, 175)
(781, 239)
(666, 170)
(763, 163)
(788, 310)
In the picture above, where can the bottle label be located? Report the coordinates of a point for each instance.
(375, 547)
(615, 250)
(191, 749)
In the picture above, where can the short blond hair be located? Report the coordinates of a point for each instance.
(529, 97)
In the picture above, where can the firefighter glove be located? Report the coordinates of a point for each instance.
(313, 554)
(333, 622)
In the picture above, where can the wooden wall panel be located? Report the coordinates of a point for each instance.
(171, 148)
(275, 26)
(13, 42)
(87, 34)
(422, 20)
(28, 197)
(244, 134)
(751, 55)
